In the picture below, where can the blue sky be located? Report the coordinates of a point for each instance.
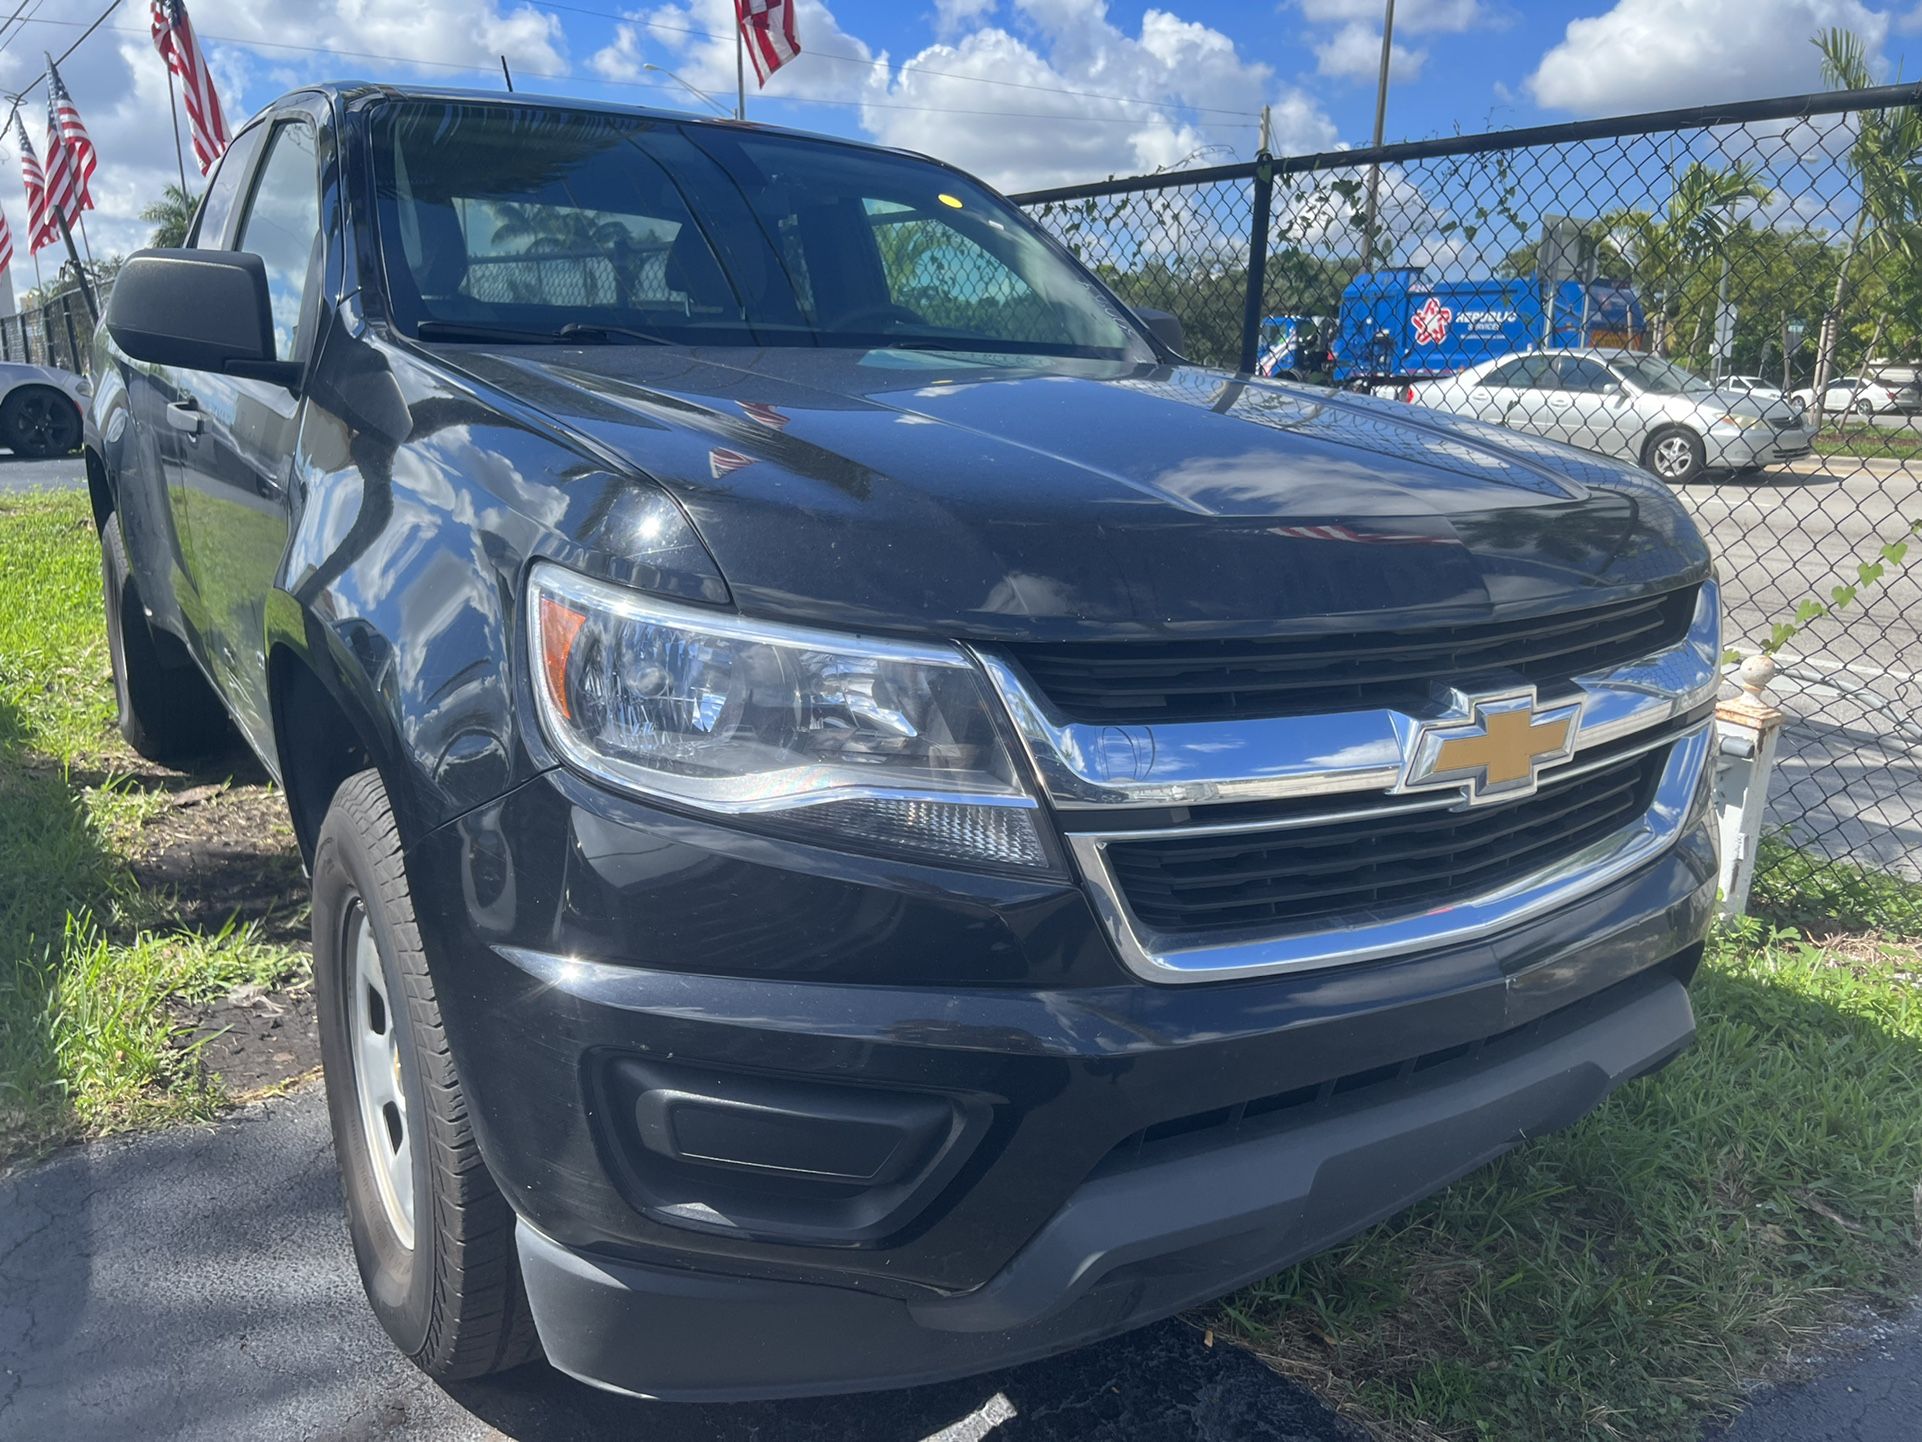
(1025, 92)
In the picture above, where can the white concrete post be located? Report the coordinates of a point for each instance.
(1746, 729)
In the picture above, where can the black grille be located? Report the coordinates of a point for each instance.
(1382, 866)
(1221, 680)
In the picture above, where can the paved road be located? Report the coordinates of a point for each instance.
(1876, 1394)
(199, 1284)
(23, 475)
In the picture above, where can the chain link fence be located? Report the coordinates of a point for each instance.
(1729, 297)
(58, 333)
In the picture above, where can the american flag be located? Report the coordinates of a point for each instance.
(6, 242)
(768, 28)
(66, 131)
(66, 188)
(41, 231)
(173, 37)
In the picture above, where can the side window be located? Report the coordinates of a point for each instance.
(1581, 374)
(223, 194)
(282, 227)
(1530, 372)
(952, 281)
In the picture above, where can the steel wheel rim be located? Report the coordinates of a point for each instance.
(1672, 457)
(380, 1097)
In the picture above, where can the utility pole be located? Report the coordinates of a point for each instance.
(1265, 147)
(1381, 113)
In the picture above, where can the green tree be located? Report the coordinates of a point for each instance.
(1671, 254)
(1887, 161)
(170, 216)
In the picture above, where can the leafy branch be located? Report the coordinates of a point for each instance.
(1868, 574)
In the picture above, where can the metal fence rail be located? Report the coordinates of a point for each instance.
(1516, 277)
(58, 333)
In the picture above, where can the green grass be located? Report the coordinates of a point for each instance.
(1866, 442)
(88, 966)
(1804, 889)
(1625, 1278)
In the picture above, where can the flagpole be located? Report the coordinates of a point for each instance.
(80, 271)
(85, 244)
(740, 66)
(173, 114)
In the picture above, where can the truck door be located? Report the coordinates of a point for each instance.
(161, 403)
(238, 451)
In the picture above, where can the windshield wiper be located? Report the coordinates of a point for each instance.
(579, 330)
(471, 330)
(574, 330)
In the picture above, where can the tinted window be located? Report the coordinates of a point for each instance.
(282, 227)
(1530, 372)
(210, 228)
(527, 219)
(1581, 374)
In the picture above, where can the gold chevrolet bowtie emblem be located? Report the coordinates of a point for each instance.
(1494, 752)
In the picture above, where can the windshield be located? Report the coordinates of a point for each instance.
(512, 222)
(1664, 377)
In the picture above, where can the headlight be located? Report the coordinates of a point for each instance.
(886, 743)
(1741, 423)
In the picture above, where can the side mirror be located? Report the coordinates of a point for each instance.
(198, 310)
(1165, 328)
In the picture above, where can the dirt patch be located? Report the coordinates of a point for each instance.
(257, 1040)
(223, 850)
(217, 851)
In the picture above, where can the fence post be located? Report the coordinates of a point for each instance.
(1257, 262)
(76, 364)
(26, 345)
(1746, 730)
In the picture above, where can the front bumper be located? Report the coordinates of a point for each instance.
(1757, 446)
(1121, 1150)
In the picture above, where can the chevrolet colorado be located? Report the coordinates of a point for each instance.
(867, 821)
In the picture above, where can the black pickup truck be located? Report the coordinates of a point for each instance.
(867, 820)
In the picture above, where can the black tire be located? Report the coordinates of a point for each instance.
(1676, 455)
(38, 421)
(168, 712)
(451, 1296)
(1865, 407)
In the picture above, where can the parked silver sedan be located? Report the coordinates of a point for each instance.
(1640, 407)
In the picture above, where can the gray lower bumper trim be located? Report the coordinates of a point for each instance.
(1130, 1246)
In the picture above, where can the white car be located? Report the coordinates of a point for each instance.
(40, 409)
(1762, 390)
(1864, 397)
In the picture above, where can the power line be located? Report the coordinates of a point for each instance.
(34, 84)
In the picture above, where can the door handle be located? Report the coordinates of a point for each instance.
(184, 416)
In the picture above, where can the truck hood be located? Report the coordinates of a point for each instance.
(1041, 498)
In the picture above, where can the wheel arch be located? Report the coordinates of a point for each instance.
(324, 727)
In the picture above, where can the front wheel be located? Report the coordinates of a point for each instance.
(38, 421)
(1676, 455)
(1865, 407)
(433, 1237)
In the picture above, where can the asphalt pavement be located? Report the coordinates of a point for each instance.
(199, 1284)
(17, 474)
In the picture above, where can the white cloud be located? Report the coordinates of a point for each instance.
(951, 16)
(1651, 54)
(1063, 121)
(1354, 53)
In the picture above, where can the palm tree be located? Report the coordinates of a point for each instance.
(1666, 251)
(567, 233)
(171, 215)
(1887, 159)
